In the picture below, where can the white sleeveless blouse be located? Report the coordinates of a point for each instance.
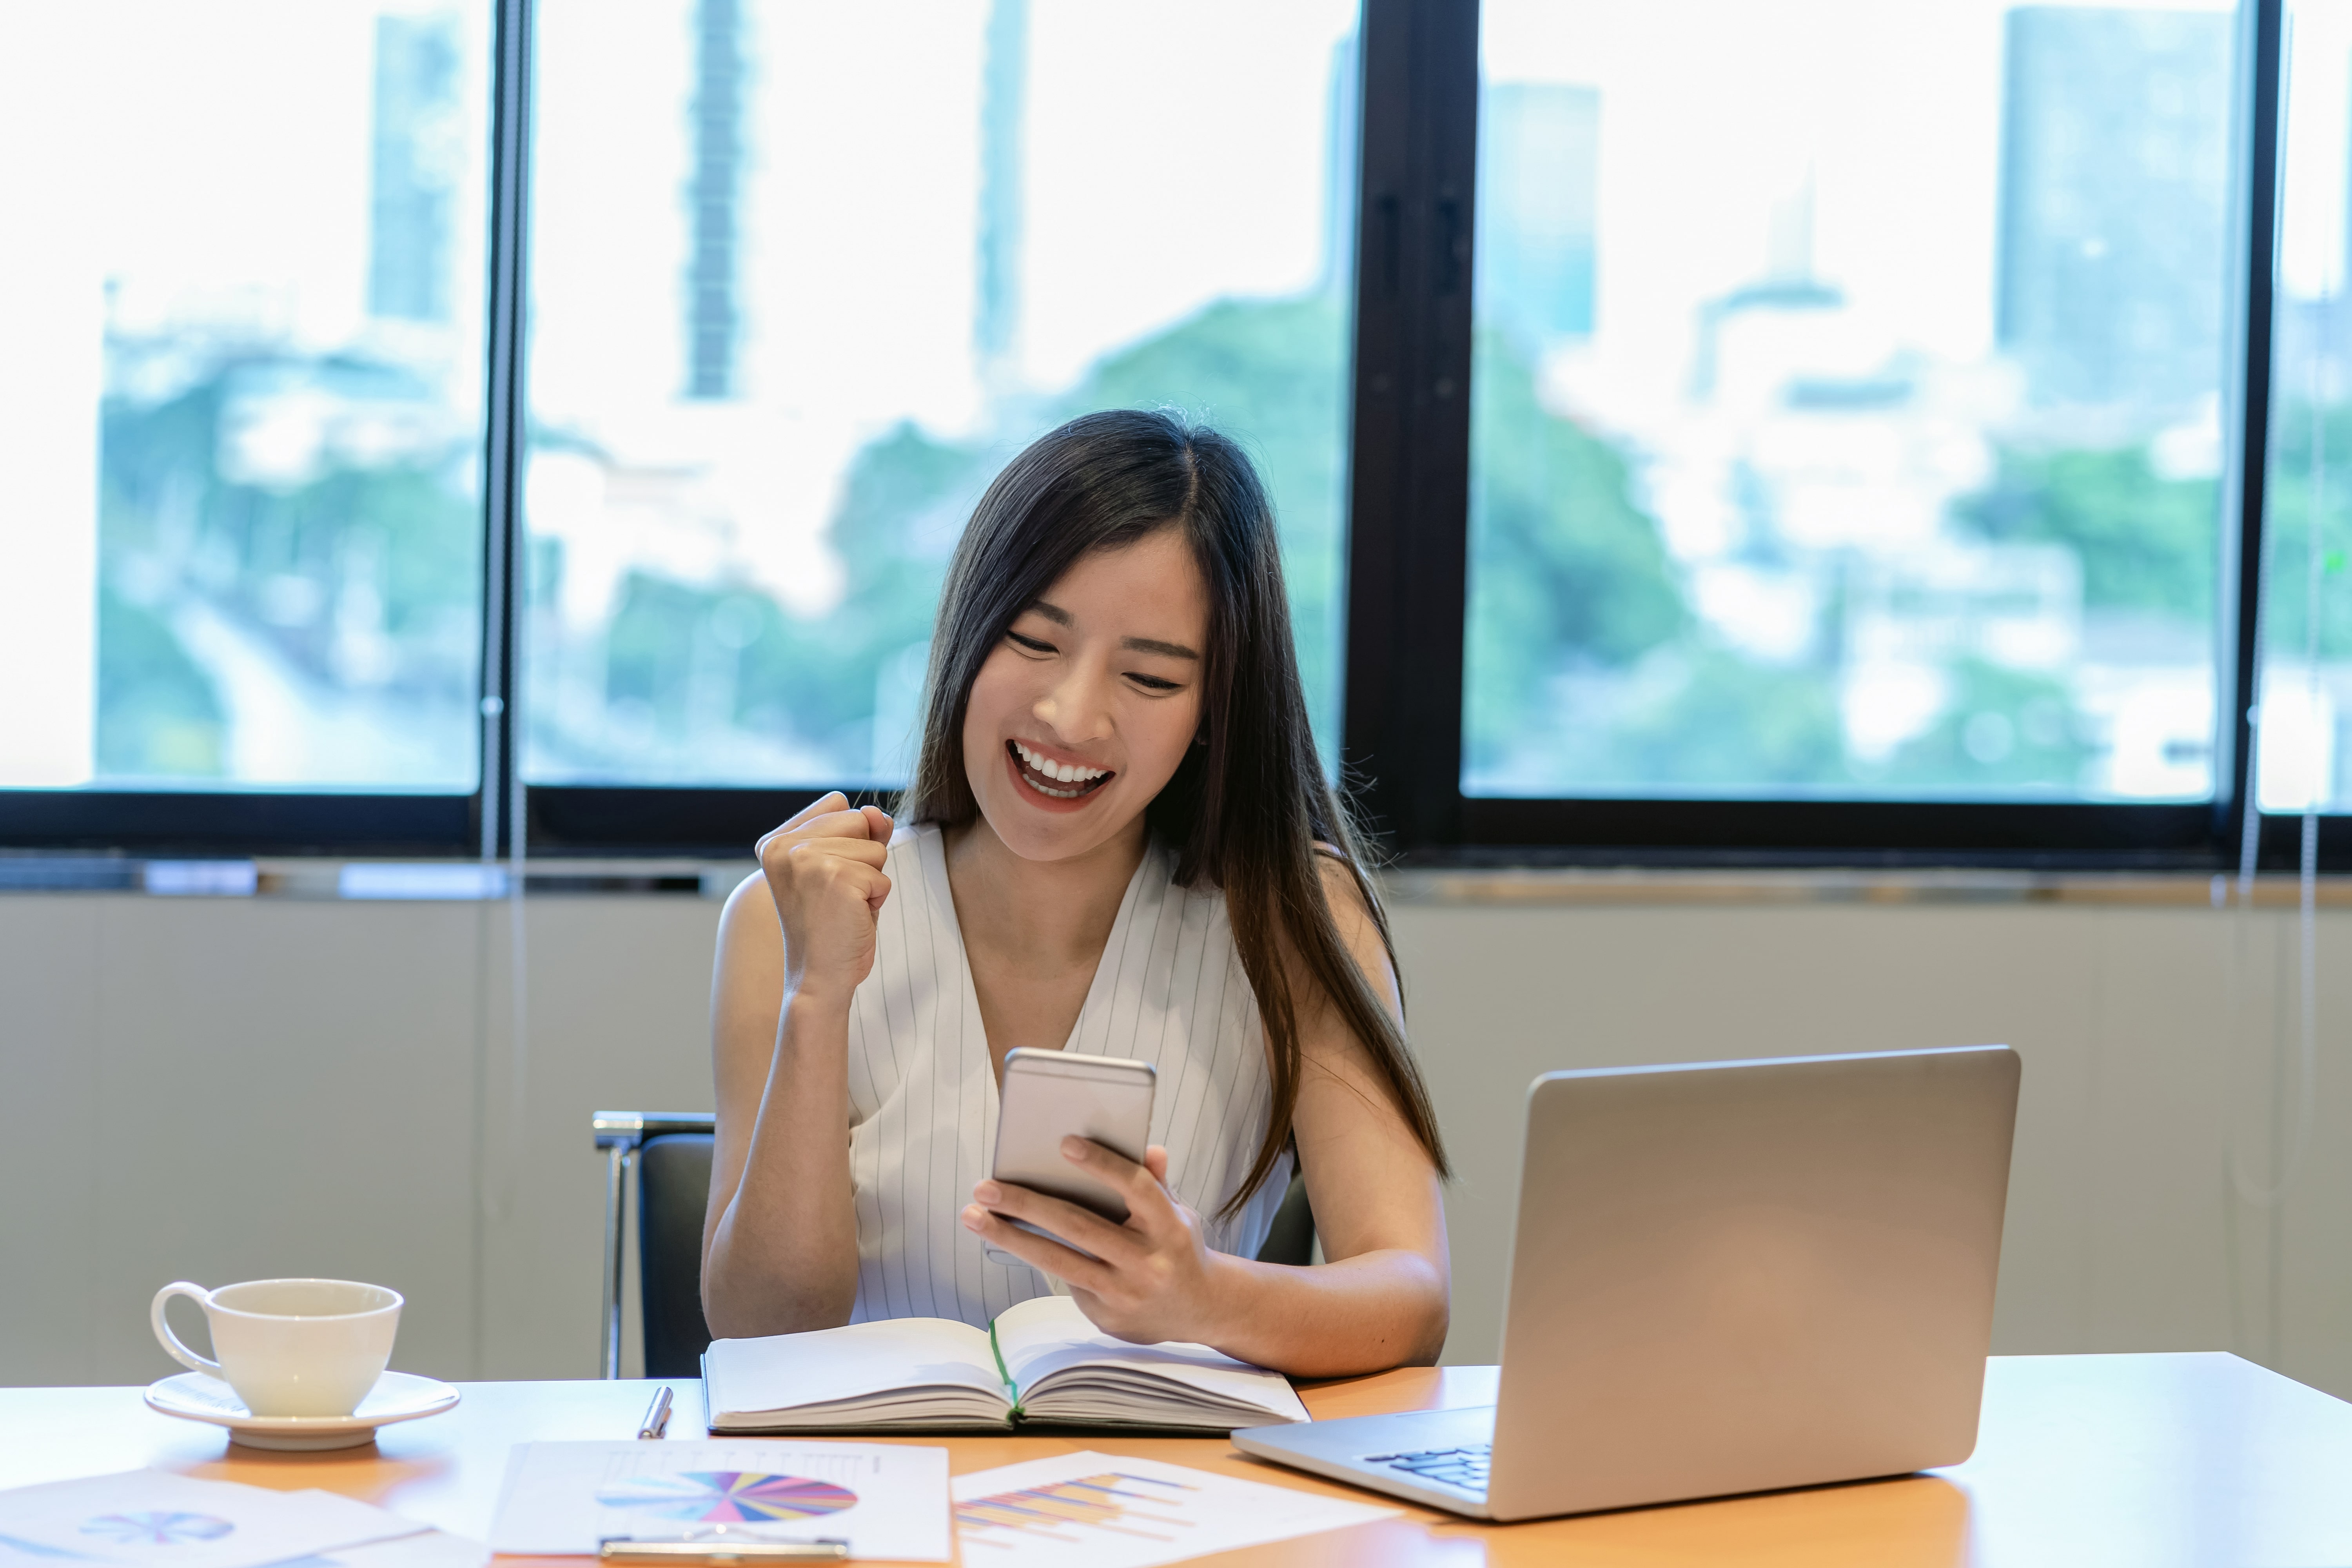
(1169, 991)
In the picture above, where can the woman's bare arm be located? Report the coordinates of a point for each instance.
(1384, 1294)
(1382, 1297)
(780, 1237)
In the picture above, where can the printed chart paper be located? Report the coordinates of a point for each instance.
(885, 1500)
(154, 1519)
(433, 1549)
(1107, 1510)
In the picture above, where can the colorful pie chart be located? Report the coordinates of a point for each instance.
(727, 1496)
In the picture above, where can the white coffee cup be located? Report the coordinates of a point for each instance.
(291, 1347)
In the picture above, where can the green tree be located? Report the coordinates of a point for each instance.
(158, 715)
(1271, 374)
(2004, 732)
(2287, 533)
(170, 523)
(1564, 568)
(1569, 569)
(649, 646)
(1732, 724)
(903, 505)
(1267, 372)
(2147, 542)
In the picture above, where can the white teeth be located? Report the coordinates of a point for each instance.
(1060, 773)
(1063, 772)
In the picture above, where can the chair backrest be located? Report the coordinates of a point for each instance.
(1291, 1239)
(673, 1193)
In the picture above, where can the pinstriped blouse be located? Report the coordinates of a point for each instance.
(1169, 990)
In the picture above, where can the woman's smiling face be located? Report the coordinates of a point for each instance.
(1083, 712)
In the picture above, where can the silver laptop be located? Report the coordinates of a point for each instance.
(1729, 1277)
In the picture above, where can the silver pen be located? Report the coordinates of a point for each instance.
(656, 1415)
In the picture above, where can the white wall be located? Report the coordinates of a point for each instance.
(226, 1088)
(2119, 1234)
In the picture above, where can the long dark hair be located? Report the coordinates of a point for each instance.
(1249, 812)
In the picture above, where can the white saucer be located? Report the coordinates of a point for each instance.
(396, 1396)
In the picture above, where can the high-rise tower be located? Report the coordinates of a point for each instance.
(2113, 192)
(1539, 156)
(1342, 138)
(996, 304)
(713, 311)
(412, 167)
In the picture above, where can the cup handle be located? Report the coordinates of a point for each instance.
(171, 1341)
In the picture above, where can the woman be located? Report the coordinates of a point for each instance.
(1120, 841)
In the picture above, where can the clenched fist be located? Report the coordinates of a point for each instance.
(824, 871)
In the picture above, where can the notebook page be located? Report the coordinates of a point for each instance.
(1050, 1334)
(789, 1371)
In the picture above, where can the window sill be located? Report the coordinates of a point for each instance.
(1540, 887)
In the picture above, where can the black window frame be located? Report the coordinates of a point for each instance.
(1407, 572)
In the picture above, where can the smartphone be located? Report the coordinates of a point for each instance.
(1049, 1095)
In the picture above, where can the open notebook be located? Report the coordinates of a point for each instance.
(1041, 1360)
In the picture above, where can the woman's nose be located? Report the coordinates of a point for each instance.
(1076, 709)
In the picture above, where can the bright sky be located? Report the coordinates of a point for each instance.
(209, 162)
(1891, 111)
(224, 153)
(1164, 168)
(210, 158)
(2318, 140)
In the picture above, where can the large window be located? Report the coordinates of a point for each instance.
(240, 397)
(804, 276)
(1847, 401)
(1819, 427)
(2307, 688)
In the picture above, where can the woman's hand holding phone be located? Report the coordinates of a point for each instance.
(824, 869)
(1153, 1278)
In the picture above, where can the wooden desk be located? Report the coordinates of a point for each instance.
(2202, 1461)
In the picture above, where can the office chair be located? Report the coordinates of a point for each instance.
(669, 1153)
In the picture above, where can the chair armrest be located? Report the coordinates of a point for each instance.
(627, 1129)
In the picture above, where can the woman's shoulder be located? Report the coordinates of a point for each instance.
(1343, 885)
(751, 896)
(751, 955)
(1347, 892)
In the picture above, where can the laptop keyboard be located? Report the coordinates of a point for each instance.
(1464, 1467)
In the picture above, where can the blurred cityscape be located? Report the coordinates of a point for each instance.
(289, 523)
(1779, 537)
(1839, 562)
(738, 587)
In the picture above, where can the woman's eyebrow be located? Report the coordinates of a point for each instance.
(1152, 644)
(1062, 617)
